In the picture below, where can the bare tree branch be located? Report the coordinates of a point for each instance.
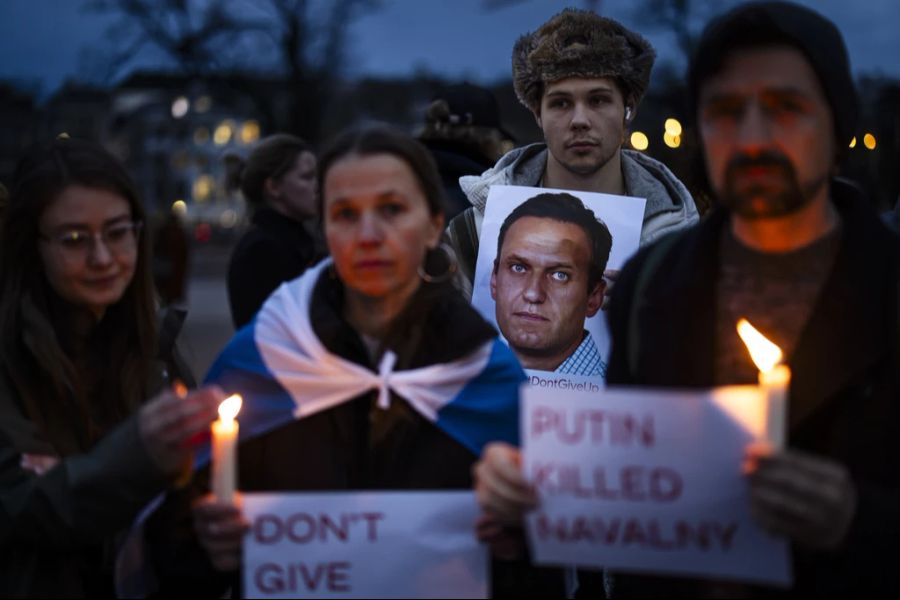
(682, 18)
(207, 36)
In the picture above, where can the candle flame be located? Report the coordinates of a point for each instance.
(230, 407)
(764, 353)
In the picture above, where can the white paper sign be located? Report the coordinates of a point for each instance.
(623, 217)
(364, 545)
(647, 480)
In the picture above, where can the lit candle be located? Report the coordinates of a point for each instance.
(224, 450)
(774, 379)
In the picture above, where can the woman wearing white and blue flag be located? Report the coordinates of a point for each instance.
(368, 372)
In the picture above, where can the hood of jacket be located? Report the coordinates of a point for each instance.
(669, 207)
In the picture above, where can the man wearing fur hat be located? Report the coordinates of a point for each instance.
(802, 255)
(582, 76)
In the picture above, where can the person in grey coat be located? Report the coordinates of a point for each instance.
(582, 76)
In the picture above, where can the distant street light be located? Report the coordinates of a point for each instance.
(222, 134)
(673, 127)
(179, 207)
(249, 132)
(869, 141)
(203, 187)
(639, 141)
(180, 107)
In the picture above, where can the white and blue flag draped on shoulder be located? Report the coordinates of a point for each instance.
(284, 372)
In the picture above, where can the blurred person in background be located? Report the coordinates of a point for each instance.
(278, 181)
(171, 247)
(464, 135)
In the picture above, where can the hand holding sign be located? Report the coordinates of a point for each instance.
(627, 481)
(221, 528)
(506, 543)
(809, 499)
(500, 487)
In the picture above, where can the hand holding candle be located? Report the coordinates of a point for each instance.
(774, 379)
(224, 450)
(170, 423)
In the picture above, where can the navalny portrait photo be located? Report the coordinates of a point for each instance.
(545, 286)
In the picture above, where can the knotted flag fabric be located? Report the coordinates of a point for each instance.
(284, 372)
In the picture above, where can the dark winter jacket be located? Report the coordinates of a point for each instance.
(845, 389)
(353, 446)
(274, 250)
(59, 530)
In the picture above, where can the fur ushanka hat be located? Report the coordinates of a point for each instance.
(580, 43)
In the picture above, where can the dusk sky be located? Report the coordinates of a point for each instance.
(44, 42)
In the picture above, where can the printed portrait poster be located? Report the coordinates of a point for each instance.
(538, 298)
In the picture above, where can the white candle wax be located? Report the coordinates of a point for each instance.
(775, 384)
(224, 450)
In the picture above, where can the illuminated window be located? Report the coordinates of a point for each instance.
(249, 132)
(223, 133)
(203, 187)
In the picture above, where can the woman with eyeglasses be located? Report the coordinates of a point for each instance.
(88, 432)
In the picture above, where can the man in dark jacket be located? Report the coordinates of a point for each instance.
(803, 257)
(793, 250)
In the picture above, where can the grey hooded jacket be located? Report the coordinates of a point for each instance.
(669, 204)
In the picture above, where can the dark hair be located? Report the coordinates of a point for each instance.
(40, 352)
(270, 159)
(760, 24)
(566, 208)
(379, 139)
(406, 329)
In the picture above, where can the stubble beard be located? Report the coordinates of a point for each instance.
(587, 169)
(765, 201)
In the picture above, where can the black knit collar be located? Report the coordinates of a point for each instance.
(450, 330)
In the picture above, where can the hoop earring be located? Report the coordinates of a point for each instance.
(452, 265)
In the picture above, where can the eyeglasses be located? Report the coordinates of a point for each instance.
(119, 239)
